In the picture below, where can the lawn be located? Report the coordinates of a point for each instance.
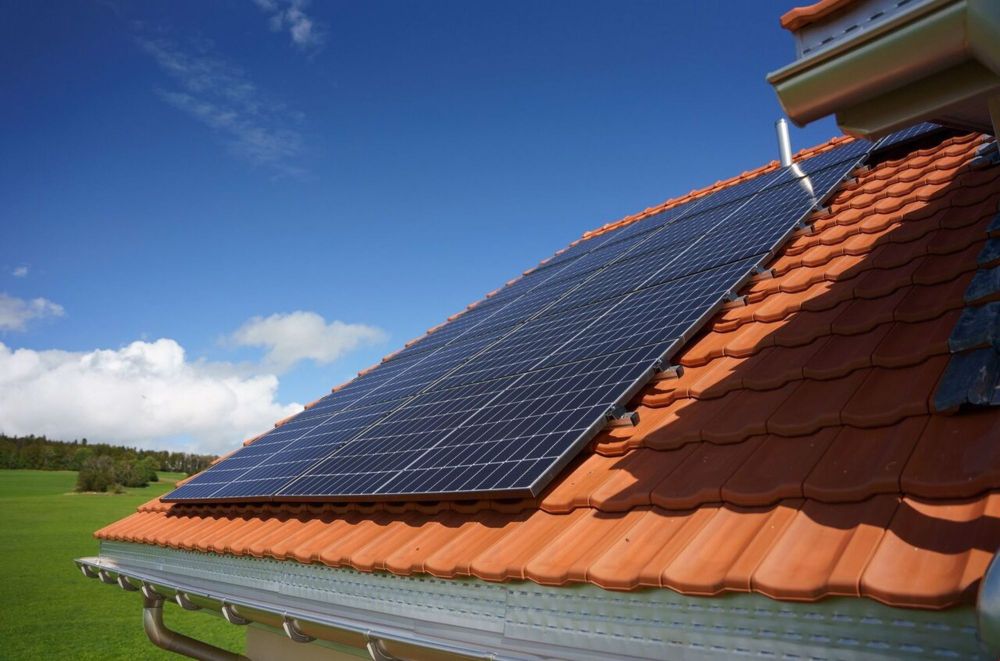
(48, 610)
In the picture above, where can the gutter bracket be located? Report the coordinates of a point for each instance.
(124, 584)
(185, 602)
(376, 649)
(293, 631)
(172, 641)
(232, 616)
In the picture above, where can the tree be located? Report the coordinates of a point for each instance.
(96, 474)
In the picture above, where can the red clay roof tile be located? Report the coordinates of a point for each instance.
(799, 17)
(796, 457)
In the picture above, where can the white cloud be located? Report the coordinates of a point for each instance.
(20, 272)
(145, 393)
(306, 33)
(290, 338)
(222, 97)
(15, 313)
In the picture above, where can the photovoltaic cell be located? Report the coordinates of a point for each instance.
(498, 399)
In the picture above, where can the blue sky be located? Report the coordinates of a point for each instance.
(210, 212)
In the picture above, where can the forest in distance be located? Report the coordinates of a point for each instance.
(100, 466)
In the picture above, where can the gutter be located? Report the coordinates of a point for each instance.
(300, 626)
(387, 616)
(936, 60)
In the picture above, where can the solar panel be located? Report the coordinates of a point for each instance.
(500, 398)
(899, 137)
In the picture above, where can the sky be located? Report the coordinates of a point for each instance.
(212, 213)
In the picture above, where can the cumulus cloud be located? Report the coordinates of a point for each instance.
(222, 97)
(144, 393)
(290, 338)
(20, 272)
(290, 15)
(15, 313)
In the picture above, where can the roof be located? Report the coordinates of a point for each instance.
(798, 455)
(799, 17)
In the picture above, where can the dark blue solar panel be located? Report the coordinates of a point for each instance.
(915, 131)
(498, 399)
(851, 151)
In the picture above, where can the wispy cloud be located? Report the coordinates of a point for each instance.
(15, 313)
(20, 272)
(300, 335)
(306, 32)
(221, 96)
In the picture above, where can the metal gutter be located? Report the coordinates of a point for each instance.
(937, 60)
(422, 617)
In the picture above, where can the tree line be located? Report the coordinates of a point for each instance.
(102, 467)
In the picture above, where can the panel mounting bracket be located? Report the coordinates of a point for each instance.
(733, 300)
(820, 212)
(668, 372)
(618, 416)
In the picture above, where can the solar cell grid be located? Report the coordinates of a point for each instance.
(851, 151)
(501, 397)
(910, 133)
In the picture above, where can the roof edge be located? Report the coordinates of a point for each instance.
(799, 17)
(771, 166)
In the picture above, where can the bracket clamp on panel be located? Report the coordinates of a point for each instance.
(617, 416)
(733, 300)
(820, 212)
(668, 372)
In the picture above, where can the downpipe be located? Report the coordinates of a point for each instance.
(172, 641)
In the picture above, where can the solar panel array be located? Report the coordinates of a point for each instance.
(498, 400)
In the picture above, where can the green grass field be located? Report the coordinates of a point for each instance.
(48, 610)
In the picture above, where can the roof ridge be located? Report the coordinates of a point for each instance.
(771, 166)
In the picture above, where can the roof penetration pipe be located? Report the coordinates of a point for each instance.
(784, 143)
(785, 157)
(172, 641)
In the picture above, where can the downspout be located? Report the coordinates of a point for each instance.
(172, 641)
(785, 154)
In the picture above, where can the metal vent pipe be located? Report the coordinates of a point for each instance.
(784, 143)
(785, 157)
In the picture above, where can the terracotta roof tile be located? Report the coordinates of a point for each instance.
(797, 456)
